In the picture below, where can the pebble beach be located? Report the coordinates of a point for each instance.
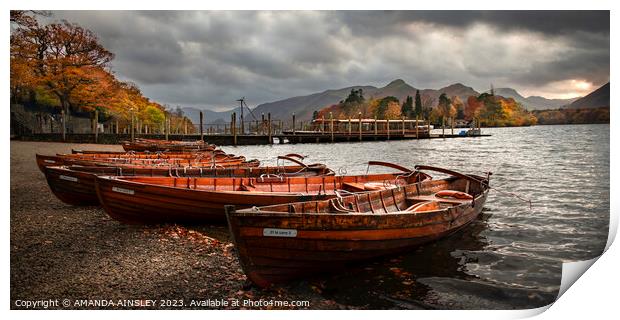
(79, 258)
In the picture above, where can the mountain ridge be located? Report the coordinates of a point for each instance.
(533, 102)
(304, 106)
(595, 99)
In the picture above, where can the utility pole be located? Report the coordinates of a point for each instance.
(241, 107)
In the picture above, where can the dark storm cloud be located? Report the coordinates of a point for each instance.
(210, 58)
(550, 22)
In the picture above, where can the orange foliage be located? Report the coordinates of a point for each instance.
(393, 111)
(497, 111)
(67, 61)
(573, 116)
(471, 107)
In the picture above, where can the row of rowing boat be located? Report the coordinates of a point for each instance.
(204, 159)
(141, 144)
(75, 185)
(141, 199)
(286, 221)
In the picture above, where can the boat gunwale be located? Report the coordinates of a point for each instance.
(249, 212)
(130, 180)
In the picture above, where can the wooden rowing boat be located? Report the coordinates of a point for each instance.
(282, 242)
(75, 185)
(141, 144)
(175, 160)
(172, 199)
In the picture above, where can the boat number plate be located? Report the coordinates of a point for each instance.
(122, 190)
(272, 232)
(73, 179)
(49, 161)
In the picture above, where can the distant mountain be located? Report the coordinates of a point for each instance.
(397, 88)
(304, 106)
(208, 115)
(533, 102)
(597, 98)
(459, 90)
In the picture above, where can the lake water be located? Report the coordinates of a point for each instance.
(511, 256)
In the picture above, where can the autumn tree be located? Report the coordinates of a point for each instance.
(356, 96)
(444, 106)
(61, 56)
(471, 107)
(418, 103)
(407, 107)
(97, 90)
(459, 108)
(27, 18)
(63, 65)
(387, 108)
(427, 105)
(499, 111)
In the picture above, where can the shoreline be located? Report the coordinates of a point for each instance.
(79, 253)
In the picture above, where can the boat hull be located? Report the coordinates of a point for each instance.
(77, 186)
(152, 204)
(72, 187)
(306, 244)
(46, 161)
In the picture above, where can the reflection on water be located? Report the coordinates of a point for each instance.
(511, 257)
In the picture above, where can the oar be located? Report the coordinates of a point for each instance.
(387, 164)
(472, 178)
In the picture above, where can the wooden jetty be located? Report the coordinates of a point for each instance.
(271, 131)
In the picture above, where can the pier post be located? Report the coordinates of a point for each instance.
(443, 126)
(376, 129)
(293, 123)
(360, 125)
(242, 126)
(202, 135)
(479, 130)
(428, 127)
(387, 121)
(96, 125)
(403, 126)
(349, 125)
(269, 127)
(168, 125)
(166, 128)
(64, 125)
(133, 124)
(233, 127)
(451, 125)
(262, 124)
(416, 126)
(331, 125)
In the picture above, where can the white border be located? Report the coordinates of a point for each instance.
(596, 291)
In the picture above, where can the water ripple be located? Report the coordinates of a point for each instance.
(515, 251)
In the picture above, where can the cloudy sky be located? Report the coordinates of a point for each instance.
(208, 59)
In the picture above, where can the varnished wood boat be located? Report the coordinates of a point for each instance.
(141, 144)
(170, 159)
(171, 199)
(282, 242)
(75, 185)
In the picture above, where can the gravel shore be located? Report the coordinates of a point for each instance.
(80, 255)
